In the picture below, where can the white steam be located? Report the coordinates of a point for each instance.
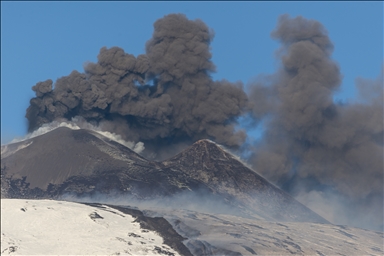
(7, 151)
(339, 210)
(79, 123)
(186, 200)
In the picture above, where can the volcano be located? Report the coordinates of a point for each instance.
(83, 163)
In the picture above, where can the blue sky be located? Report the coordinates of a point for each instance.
(42, 40)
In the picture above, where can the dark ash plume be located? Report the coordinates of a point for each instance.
(312, 143)
(183, 105)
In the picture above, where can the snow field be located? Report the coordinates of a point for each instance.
(48, 227)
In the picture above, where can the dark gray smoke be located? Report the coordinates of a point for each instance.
(312, 143)
(164, 98)
(313, 147)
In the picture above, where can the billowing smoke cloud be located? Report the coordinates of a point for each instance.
(164, 97)
(310, 142)
(312, 147)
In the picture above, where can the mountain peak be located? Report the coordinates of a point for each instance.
(61, 154)
(204, 141)
(205, 148)
(225, 174)
(82, 162)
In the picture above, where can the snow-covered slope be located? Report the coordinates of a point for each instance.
(244, 236)
(47, 227)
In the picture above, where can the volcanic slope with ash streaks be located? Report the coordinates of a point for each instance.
(223, 173)
(80, 162)
(83, 163)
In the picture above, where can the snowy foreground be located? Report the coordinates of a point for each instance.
(48, 227)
